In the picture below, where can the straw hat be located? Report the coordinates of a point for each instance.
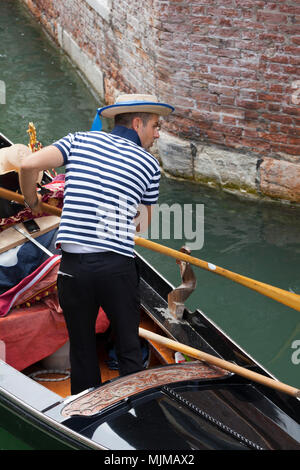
(11, 158)
(136, 104)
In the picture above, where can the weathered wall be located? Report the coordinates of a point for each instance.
(230, 67)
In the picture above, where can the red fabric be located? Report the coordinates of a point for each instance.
(31, 334)
(34, 286)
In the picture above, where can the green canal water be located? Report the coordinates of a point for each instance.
(255, 239)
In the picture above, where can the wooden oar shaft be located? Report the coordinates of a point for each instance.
(12, 196)
(280, 295)
(195, 353)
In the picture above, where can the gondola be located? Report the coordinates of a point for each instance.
(177, 403)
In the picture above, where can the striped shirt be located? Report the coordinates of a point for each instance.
(107, 177)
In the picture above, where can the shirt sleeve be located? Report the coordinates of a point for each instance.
(64, 145)
(151, 194)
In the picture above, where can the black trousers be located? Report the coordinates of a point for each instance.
(86, 282)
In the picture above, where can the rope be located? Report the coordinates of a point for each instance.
(34, 375)
(213, 420)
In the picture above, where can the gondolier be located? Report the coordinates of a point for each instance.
(108, 177)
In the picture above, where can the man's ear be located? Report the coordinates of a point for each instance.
(136, 123)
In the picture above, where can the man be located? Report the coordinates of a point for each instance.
(108, 177)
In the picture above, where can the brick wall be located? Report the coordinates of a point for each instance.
(230, 67)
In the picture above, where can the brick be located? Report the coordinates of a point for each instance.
(248, 94)
(277, 88)
(294, 141)
(251, 84)
(290, 130)
(271, 38)
(292, 110)
(250, 133)
(278, 118)
(270, 97)
(247, 45)
(229, 120)
(272, 107)
(222, 90)
(227, 100)
(231, 71)
(222, 12)
(214, 136)
(295, 39)
(232, 111)
(292, 150)
(271, 17)
(247, 104)
(291, 50)
(290, 9)
(277, 58)
(223, 52)
(275, 137)
(294, 60)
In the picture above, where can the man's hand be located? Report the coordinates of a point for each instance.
(35, 205)
(44, 159)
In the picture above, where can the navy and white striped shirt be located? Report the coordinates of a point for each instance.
(107, 177)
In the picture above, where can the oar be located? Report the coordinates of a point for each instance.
(33, 240)
(280, 295)
(195, 353)
(12, 196)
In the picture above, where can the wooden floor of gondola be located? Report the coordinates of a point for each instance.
(158, 355)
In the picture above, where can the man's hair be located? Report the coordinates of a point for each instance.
(126, 119)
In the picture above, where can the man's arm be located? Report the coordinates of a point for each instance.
(45, 159)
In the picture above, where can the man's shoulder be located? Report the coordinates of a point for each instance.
(121, 143)
(89, 134)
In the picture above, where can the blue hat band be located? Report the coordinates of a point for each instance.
(97, 124)
(136, 103)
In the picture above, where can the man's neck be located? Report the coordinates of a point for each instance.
(127, 133)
